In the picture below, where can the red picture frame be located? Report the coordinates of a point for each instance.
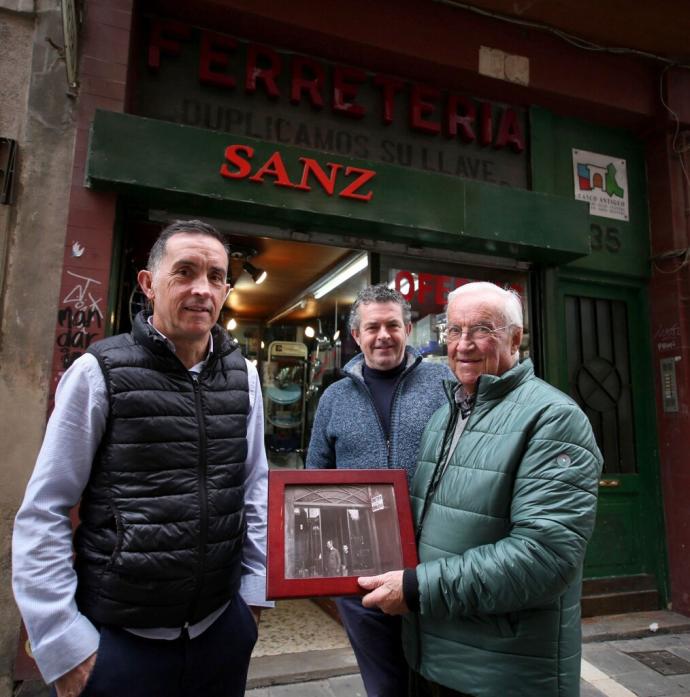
(364, 515)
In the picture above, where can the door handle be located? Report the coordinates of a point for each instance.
(609, 483)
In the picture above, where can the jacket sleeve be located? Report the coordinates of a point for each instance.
(321, 451)
(43, 577)
(552, 517)
(253, 582)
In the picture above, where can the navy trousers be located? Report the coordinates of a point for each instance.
(376, 641)
(213, 664)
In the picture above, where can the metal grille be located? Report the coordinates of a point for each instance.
(598, 355)
(663, 662)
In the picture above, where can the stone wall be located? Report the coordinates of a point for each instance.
(39, 114)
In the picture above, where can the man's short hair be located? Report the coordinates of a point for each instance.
(188, 227)
(510, 303)
(380, 293)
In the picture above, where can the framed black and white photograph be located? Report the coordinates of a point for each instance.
(328, 527)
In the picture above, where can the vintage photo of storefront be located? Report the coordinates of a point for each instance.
(346, 530)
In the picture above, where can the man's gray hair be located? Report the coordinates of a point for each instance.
(510, 303)
(188, 227)
(380, 293)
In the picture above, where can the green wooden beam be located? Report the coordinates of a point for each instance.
(179, 166)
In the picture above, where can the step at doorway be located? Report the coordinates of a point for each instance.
(616, 595)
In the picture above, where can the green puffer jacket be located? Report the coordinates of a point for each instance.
(504, 527)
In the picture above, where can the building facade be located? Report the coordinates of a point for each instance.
(419, 144)
(37, 132)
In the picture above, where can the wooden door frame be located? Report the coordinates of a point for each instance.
(555, 284)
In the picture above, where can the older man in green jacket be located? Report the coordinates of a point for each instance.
(504, 500)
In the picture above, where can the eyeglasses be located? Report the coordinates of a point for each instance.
(478, 332)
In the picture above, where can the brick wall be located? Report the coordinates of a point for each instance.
(83, 300)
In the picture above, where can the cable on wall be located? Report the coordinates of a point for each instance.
(572, 39)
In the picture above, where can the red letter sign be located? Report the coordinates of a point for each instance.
(327, 183)
(465, 121)
(509, 132)
(266, 75)
(345, 92)
(232, 155)
(162, 41)
(420, 107)
(274, 167)
(210, 59)
(311, 85)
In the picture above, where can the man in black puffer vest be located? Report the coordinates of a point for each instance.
(160, 433)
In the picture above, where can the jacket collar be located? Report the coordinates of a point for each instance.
(147, 335)
(491, 387)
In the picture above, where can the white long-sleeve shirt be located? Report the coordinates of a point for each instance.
(43, 578)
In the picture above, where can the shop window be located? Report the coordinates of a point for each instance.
(293, 325)
(426, 285)
(302, 349)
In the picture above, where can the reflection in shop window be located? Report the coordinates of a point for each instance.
(427, 293)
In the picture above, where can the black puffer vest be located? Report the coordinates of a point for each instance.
(162, 517)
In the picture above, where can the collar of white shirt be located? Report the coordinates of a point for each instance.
(197, 367)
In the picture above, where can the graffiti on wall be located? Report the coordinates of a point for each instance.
(667, 338)
(80, 318)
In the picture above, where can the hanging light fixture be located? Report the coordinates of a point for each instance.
(309, 332)
(244, 254)
(232, 324)
(259, 275)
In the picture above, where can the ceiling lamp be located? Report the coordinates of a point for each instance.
(232, 324)
(309, 332)
(343, 273)
(259, 275)
(244, 254)
(298, 305)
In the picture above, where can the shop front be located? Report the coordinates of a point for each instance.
(329, 177)
(326, 177)
(299, 256)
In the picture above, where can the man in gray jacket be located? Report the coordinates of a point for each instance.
(374, 418)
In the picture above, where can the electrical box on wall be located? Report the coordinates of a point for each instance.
(8, 161)
(669, 385)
